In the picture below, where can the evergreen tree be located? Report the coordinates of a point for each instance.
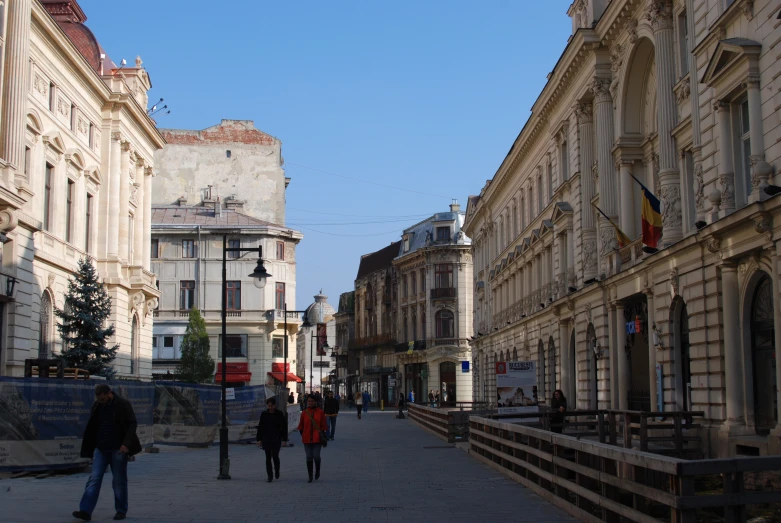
(87, 307)
(195, 365)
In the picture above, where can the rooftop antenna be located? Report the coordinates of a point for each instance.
(154, 107)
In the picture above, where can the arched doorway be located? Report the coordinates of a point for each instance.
(683, 380)
(541, 375)
(763, 361)
(591, 361)
(447, 375)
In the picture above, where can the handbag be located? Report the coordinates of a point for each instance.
(323, 435)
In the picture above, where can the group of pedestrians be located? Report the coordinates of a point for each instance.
(362, 400)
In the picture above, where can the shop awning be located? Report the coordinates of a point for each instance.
(279, 376)
(233, 377)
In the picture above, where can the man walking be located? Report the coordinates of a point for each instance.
(109, 439)
(331, 408)
(366, 399)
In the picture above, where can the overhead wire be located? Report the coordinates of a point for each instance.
(352, 235)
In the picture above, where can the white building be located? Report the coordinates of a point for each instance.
(76, 156)
(314, 365)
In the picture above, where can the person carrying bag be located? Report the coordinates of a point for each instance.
(313, 436)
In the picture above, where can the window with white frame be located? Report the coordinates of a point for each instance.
(167, 347)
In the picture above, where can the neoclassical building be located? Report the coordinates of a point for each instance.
(681, 95)
(77, 156)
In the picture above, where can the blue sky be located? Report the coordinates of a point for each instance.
(424, 95)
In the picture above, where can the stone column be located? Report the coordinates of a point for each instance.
(603, 108)
(627, 199)
(124, 202)
(17, 79)
(623, 360)
(148, 173)
(726, 174)
(138, 219)
(115, 176)
(567, 384)
(649, 295)
(733, 364)
(694, 101)
(760, 169)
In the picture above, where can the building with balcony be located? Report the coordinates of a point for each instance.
(344, 321)
(187, 256)
(678, 95)
(76, 165)
(433, 269)
(314, 346)
(372, 349)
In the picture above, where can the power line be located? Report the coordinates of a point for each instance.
(367, 181)
(358, 215)
(351, 235)
(295, 223)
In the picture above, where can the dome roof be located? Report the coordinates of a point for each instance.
(320, 311)
(70, 17)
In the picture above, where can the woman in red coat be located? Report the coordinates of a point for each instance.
(310, 426)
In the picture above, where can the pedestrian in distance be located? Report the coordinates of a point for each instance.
(366, 399)
(436, 399)
(291, 399)
(411, 397)
(401, 406)
(331, 408)
(431, 398)
(271, 435)
(312, 429)
(109, 439)
(559, 407)
(359, 403)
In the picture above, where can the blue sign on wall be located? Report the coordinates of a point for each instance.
(464, 366)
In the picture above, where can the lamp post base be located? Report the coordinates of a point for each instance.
(225, 462)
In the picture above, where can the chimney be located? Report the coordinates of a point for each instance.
(218, 207)
(454, 207)
(234, 204)
(182, 201)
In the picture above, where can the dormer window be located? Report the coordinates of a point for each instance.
(443, 234)
(406, 242)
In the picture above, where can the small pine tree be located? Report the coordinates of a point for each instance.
(195, 365)
(87, 307)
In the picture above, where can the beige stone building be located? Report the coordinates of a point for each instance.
(187, 257)
(77, 155)
(683, 95)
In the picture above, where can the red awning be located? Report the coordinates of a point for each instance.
(280, 376)
(233, 377)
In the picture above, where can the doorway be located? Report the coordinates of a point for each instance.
(591, 362)
(683, 380)
(763, 358)
(636, 325)
(447, 375)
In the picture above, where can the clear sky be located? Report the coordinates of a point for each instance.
(424, 95)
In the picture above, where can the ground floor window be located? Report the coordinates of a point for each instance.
(235, 346)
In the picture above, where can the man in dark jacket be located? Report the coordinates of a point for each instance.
(109, 439)
(331, 408)
(271, 435)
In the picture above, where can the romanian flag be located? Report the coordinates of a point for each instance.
(652, 220)
(623, 239)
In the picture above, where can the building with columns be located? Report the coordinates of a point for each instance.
(76, 156)
(681, 95)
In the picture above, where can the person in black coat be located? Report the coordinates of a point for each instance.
(559, 407)
(272, 434)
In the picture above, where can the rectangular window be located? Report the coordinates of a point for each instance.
(423, 280)
(235, 346)
(443, 234)
(443, 275)
(279, 296)
(414, 284)
(131, 234)
(186, 294)
(233, 295)
(69, 210)
(165, 349)
(745, 145)
(47, 196)
(523, 214)
(234, 244)
(27, 160)
(540, 197)
(280, 250)
(52, 95)
(88, 224)
(683, 44)
(188, 249)
(564, 161)
(550, 181)
(405, 289)
(278, 347)
(155, 249)
(91, 136)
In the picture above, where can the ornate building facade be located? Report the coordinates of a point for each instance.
(682, 96)
(77, 158)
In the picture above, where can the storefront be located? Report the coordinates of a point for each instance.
(416, 380)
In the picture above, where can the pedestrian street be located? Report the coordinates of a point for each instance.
(377, 469)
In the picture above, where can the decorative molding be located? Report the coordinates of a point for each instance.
(674, 283)
(748, 9)
(660, 14)
(682, 91)
(727, 182)
(631, 29)
(8, 221)
(584, 113)
(590, 256)
(671, 199)
(699, 191)
(601, 89)
(763, 225)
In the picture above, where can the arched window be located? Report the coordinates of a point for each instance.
(134, 336)
(44, 327)
(763, 357)
(445, 324)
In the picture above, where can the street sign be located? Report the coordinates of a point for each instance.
(230, 393)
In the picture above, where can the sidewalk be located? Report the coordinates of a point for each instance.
(378, 468)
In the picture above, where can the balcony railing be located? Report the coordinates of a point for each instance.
(215, 315)
(405, 346)
(279, 315)
(445, 292)
(372, 341)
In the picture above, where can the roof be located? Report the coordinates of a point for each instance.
(70, 17)
(163, 215)
(422, 233)
(226, 132)
(320, 311)
(379, 260)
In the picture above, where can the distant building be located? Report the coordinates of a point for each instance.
(314, 362)
(345, 334)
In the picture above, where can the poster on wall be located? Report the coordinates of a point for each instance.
(516, 387)
(322, 337)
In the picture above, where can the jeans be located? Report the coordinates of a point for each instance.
(366, 406)
(331, 426)
(312, 451)
(101, 460)
(359, 407)
(272, 454)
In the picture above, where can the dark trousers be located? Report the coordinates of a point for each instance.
(359, 408)
(331, 426)
(272, 454)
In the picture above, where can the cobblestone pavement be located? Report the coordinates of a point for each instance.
(377, 469)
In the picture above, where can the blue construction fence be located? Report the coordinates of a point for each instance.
(42, 421)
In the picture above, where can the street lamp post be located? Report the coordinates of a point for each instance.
(311, 358)
(259, 275)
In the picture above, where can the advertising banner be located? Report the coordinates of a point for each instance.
(42, 421)
(186, 414)
(322, 337)
(516, 387)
